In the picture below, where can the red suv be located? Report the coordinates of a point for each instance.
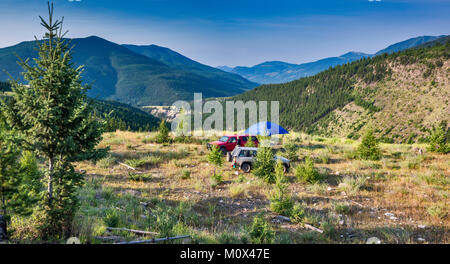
(228, 143)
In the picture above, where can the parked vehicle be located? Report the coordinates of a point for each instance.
(244, 157)
(228, 143)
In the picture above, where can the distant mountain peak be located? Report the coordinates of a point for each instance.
(120, 73)
(271, 72)
(409, 43)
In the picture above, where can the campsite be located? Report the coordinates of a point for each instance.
(170, 190)
(268, 136)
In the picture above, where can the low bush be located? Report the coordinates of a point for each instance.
(143, 177)
(368, 149)
(260, 232)
(306, 172)
(352, 185)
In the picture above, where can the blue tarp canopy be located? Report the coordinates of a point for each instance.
(265, 129)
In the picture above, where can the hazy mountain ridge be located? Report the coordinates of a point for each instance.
(115, 72)
(402, 95)
(177, 60)
(280, 72)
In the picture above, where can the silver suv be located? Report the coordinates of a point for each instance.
(244, 158)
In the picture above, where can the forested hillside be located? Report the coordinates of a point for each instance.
(117, 73)
(117, 115)
(401, 94)
(124, 117)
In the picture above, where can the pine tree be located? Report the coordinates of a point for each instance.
(215, 157)
(9, 168)
(280, 200)
(53, 117)
(438, 139)
(306, 172)
(163, 133)
(368, 149)
(30, 187)
(265, 164)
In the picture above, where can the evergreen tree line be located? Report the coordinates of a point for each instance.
(117, 116)
(123, 117)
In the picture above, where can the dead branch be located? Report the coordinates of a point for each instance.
(360, 205)
(125, 165)
(132, 231)
(313, 228)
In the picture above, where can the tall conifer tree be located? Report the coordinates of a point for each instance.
(52, 115)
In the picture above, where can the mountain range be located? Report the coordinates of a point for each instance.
(402, 95)
(121, 73)
(281, 72)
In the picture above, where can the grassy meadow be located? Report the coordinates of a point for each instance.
(401, 198)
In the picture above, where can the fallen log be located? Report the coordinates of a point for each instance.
(125, 165)
(153, 240)
(313, 228)
(360, 205)
(132, 231)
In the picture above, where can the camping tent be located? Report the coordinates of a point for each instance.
(265, 129)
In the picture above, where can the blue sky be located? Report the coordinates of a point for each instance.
(237, 32)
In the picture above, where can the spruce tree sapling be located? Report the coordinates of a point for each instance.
(163, 133)
(53, 117)
(368, 149)
(265, 164)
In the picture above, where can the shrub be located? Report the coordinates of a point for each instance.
(280, 200)
(306, 172)
(328, 228)
(216, 179)
(340, 208)
(228, 238)
(324, 158)
(186, 175)
(298, 213)
(437, 211)
(368, 149)
(111, 218)
(215, 157)
(240, 178)
(27, 228)
(144, 161)
(163, 133)
(438, 139)
(260, 231)
(238, 190)
(352, 185)
(250, 143)
(413, 162)
(317, 188)
(265, 165)
(351, 154)
(106, 162)
(291, 151)
(143, 177)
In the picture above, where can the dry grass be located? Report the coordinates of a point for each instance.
(399, 199)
